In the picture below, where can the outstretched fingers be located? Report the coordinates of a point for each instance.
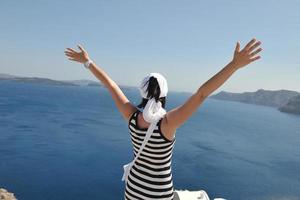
(247, 47)
(252, 51)
(71, 50)
(71, 56)
(255, 52)
(69, 53)
(254, 46)
(81, 48)
(248, 54)
(255, 58)
(79, 56)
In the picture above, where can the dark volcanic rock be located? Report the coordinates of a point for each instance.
(293, 106)
(274, 98)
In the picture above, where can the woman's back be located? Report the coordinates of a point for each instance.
(151, 174)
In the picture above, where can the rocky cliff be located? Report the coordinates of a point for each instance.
(292, 106)
(284, 100)
(5, 195)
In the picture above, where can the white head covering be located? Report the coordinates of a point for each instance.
(153, 110)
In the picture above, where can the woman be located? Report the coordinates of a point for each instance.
(150, 177)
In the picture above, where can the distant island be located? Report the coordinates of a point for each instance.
(284, 100)
(293, 105)
(39, 80)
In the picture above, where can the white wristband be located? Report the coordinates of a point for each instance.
(87, 63)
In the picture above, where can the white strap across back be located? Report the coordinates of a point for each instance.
(128, 166)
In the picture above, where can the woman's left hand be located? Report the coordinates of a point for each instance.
(81, 56)
(247, 55)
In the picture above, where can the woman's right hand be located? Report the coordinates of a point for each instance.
(247, 55)
(81, 56)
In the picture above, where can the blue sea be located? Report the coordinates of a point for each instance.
(70, 143)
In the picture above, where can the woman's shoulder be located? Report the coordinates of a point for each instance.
(167, 131)
(133, 113)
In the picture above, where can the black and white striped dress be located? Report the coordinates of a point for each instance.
(151, 175)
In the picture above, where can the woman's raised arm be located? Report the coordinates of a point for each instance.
(177, 116)
(122, 103)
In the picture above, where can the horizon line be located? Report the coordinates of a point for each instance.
(6, 74)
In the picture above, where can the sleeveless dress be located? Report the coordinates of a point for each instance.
(151, 175)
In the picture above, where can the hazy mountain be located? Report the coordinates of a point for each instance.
(9, 77)
(4, 76)
(38, 80)
(274, 98)
(283, 99)
(293, 105)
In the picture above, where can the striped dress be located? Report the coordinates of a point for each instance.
(151, 175)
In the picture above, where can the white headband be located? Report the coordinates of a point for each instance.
(153, 110)
(162, 82)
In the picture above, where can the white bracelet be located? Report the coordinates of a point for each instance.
(87, 63)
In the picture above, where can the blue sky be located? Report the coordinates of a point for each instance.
(187, 41)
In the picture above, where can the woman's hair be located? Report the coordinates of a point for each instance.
(153, 90)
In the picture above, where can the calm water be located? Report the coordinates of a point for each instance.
(65, 142)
